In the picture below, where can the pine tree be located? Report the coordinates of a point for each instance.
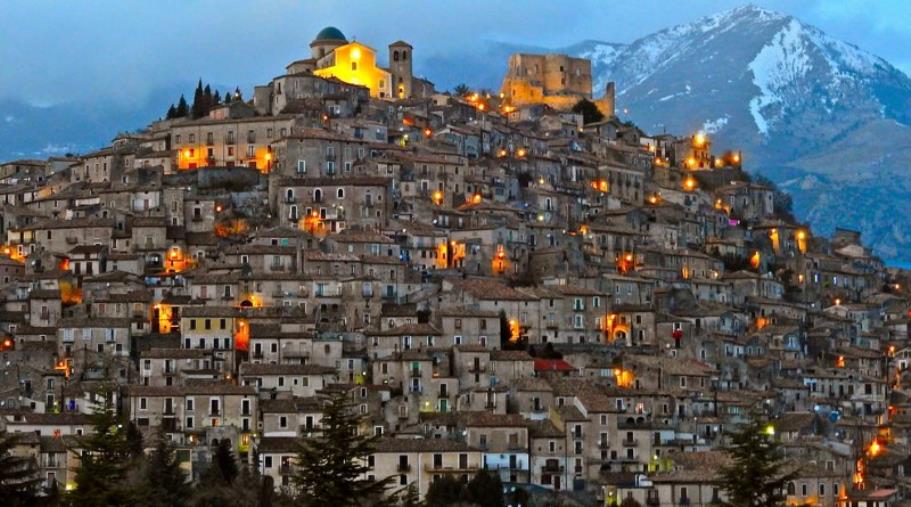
(172, 113)
(589, 111)
(409, 497)
(461, 90)
(18, 475)
(755, 477)
(485, 490)
(227, 97)
(104, 462)
(216, 99)
(182, 109)
(163, 482)
(330, 467)
(237, 95)
(444, 491)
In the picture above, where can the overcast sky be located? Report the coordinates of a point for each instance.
(53, 51)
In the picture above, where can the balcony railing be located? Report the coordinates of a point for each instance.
(552, 469)
(630, 442)
(415, 372)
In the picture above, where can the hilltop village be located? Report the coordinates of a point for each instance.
(581, 307)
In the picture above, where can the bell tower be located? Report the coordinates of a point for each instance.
(400, 53)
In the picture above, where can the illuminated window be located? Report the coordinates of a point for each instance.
(353, 65)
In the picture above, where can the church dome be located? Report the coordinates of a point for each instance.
(330, 33)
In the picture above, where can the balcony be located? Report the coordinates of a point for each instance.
(630, 442)
(295, 353)
(257, 354)
(603, 444)
(415, 372)
(482, 368)
(552, 469)
(403, 468)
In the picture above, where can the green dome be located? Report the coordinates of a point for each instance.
(330, 33)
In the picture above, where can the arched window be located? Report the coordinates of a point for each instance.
(317, 195)
(404, 55)
(289, 194)
(292, 212)
(792, 489)
(340, 193)
(395, 56)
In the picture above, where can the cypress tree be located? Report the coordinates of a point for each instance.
(182, 108)
(196, 108)
(207, 100)
(172, 112)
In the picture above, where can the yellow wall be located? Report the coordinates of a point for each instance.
(355, 63)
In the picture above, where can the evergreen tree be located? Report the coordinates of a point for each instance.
(216, 99)
(446, 490)
(134, 440)
(104, 462)
(227, 98)
(163, 482)
(485, 490)
(330, 467)
(196, 108)
(172, 113)
(237, 95)
(409, 497)
(589, 111)
(224, 462)
(755, 477)
(18, 475)
(461, 90)
(182, 109)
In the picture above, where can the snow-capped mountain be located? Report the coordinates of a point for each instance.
(827, 120)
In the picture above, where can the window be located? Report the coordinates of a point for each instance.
(301, 166)
(340, 193)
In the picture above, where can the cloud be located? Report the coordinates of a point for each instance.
(122, 52)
